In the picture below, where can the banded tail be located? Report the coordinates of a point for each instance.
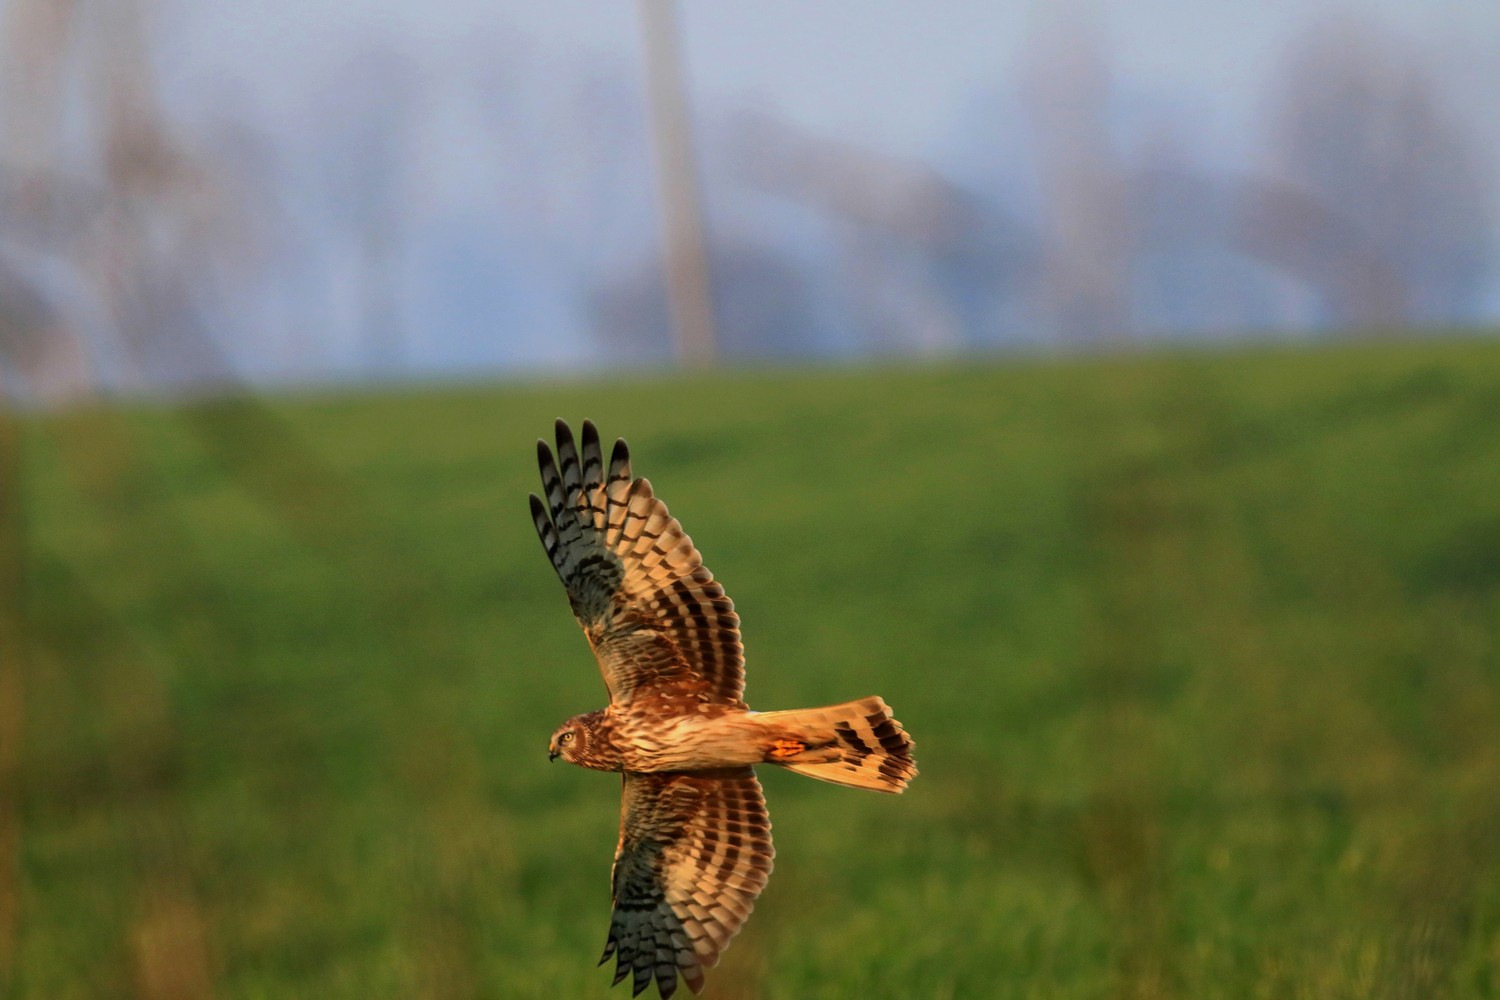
(857, 744)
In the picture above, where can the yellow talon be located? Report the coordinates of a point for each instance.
(785, 748)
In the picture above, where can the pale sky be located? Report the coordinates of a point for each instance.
(939, 83)
(891, 73)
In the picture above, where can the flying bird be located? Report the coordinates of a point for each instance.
(695, 838)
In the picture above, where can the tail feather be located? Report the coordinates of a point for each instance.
(858, 744)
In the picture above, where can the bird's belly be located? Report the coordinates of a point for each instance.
(690, 742)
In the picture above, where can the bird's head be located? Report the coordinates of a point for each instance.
(565, 741)
(577, 741)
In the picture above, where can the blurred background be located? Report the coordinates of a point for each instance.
(290, 193)
(1111, 387)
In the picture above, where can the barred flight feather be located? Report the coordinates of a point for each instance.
(859, 744)
(682, 886)
(653, 612)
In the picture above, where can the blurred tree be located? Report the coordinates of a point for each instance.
(1390, 216)
(933, 266)
(153, 256)
(1352, 275)
(40, 359)
(566, 164)
(689, 281)
(370, 104)
(42, 355)
(1086, 255)
(1187, 279)
(763, 306)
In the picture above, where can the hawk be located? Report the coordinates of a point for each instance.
(695, 838)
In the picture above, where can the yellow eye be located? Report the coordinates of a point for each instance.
(565, 738)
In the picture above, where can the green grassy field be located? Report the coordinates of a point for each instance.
(1200, 653)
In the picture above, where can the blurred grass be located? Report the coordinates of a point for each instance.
(1200, 653)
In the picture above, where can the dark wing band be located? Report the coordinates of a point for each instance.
(695, 852)
(653, 613)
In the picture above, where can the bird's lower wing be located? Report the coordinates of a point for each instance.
(695, 852)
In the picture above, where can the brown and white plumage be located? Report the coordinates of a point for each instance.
(695, 850)
(695, 838)
(653, 613)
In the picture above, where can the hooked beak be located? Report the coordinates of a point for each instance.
(552, 755)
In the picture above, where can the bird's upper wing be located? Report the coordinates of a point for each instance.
(695, 851)
(653, 613)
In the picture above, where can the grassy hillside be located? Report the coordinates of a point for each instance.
(1200, 654)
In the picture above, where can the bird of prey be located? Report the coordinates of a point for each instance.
(695, 838)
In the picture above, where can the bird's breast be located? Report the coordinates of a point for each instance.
(695, 742)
